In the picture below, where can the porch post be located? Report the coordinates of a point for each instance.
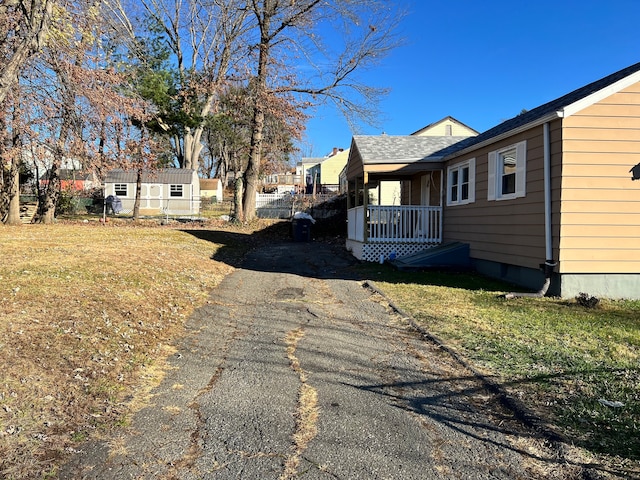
(365, 204)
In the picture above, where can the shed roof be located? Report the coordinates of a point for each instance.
(172, 176)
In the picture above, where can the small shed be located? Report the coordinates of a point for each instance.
(211, 188)
(167, 191)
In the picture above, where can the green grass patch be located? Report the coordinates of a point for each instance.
(577, 367)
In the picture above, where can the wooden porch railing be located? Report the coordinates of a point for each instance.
(400, 223)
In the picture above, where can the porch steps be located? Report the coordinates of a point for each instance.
(454, 255)
(27, 211)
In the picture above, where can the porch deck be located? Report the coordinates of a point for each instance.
(377, 231)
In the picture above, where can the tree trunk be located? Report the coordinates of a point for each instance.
(192, 147)
(136, 203)
(253, 168)
(255, 148)
(49, 200)
(237, 197)
(13, 213)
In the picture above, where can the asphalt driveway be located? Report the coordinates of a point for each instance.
(293, 369)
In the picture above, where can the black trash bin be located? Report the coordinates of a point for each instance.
(301, 229)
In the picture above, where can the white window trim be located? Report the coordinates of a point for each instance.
(471, 164)
(494, 186)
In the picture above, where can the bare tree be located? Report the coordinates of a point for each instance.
(290, 39)
(80, 107)
(206, 40)
(23, 29)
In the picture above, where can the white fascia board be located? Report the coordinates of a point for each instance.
(601, 94)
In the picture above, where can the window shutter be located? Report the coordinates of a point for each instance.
(491, 181)
(521, 169)
(472, 180)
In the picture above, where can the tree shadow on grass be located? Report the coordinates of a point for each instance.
(597, 434)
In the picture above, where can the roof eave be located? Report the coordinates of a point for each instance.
(404, 160)
(509, 133)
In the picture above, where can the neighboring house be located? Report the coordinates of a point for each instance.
(169, 191)
(308, 172)
(281, 182)
(447, 127)
(330, 169)
(322, 172)
(551, 186)
(40, 158)
(72, 180)
(211, 188)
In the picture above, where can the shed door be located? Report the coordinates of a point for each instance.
(154, 197)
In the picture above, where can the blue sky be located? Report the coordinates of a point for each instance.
(483, 61)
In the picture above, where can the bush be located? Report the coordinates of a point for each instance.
(65, 205)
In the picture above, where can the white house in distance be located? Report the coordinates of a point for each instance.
(168, 191)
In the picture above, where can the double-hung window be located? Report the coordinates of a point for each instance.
(507, 172)
(175, 190)
(461, 179)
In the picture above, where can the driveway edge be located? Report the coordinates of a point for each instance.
(559, 443)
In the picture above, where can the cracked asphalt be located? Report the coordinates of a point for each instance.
(293, 369)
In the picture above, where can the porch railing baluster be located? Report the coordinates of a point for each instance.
(404, 223)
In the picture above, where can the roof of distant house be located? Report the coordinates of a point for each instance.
(67, 174)
(431, 125)
(209, 183)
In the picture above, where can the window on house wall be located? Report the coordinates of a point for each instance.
(461, 179)
(120, 189)
(175, 190)
(507, 172)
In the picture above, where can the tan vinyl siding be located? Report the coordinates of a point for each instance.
(600, 205)
(507, 231)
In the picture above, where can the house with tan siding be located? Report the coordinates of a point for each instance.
(547, 195)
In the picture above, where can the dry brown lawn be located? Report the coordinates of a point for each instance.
(88, 313)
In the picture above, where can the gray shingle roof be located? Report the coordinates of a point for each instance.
(401, 149)
(172, 176)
